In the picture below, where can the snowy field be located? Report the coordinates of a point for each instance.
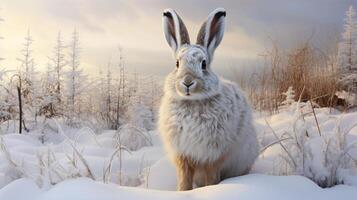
(56, 162)
(87, 102)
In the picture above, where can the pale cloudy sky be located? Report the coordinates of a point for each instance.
(136, 25)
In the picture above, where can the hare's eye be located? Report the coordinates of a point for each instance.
(203, 65)
(177, 63)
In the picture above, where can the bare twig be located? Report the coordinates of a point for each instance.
(81, 158)
(272, 144)
(108, 170)
(317, 123)
(281, 144)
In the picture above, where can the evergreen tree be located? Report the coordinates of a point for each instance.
(75, 80)
(28, 75)
(58, 63)
(347, 56)
(348, 45)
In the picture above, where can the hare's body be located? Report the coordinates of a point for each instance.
(211, 129)
(205, 121)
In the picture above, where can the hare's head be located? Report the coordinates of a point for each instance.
(192, 77)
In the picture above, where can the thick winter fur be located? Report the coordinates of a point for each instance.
(205, 121)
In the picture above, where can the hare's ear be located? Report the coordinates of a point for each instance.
(211, 32)
(175, 30)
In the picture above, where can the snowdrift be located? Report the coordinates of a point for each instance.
(253, 186)
(57, 166)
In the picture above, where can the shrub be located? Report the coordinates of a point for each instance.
(322, 156)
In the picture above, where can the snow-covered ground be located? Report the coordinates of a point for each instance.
(56, 162)
(254, 186)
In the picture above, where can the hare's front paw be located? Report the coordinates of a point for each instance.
(185, 172)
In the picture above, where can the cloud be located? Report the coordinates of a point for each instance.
(136, 25)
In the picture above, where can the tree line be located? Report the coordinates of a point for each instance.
(64, 91)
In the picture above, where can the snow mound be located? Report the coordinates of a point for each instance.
(162, 175)
(57, 167)
(253, 186)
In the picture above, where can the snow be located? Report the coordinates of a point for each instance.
(253, 186)
(162, 175)
(324, 152)
(28, 189)
(51, 168)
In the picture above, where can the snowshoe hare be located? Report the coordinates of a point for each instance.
(204, 120)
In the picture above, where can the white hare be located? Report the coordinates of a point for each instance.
(204, 120)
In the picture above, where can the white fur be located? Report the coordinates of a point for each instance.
(214, 122)
(206, 129)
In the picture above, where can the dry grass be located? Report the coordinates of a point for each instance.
(311, 72)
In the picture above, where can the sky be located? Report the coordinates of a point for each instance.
(136, 26)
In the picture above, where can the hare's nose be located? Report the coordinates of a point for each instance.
(188, 81)
(188, 85)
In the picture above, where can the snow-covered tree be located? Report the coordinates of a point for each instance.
(30, 85)
(3, 105)
(58, 63)
(49, 96)
(75, 79)
(108, 98)
(26, 60)
(7, 101)
(105, 99)
(289, 98)
(121, 97)
(348, 45)
(141, 116)
(347, 54)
